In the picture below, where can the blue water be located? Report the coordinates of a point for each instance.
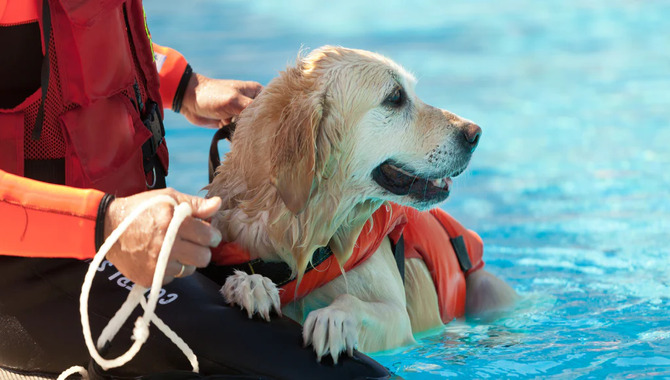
(569, 188)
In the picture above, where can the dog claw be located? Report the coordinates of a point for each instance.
(271, 289)
(330, 331)
(254, 293)
(276, 305)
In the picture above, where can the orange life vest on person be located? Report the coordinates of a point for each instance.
(427, 235)
(100, 55)
(101, 74)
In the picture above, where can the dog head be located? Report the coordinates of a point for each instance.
(353, 117)
(335, 136)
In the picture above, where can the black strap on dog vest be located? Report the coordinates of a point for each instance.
(279, 272)
(399, 254)
(461, 252)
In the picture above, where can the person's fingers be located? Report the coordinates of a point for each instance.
(218, 100)
(203, 208)
(189, 253)
(245, 92)
(202, 121)
(193, 230)
(206, 208)
(251, 89)
(243, 102)
(176, 269)
(233, 107)
(224, 123)
(199, 232)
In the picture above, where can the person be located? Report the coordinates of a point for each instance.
(82, 93)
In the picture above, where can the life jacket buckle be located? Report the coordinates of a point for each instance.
(154, 124)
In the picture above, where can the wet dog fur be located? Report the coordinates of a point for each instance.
(299, 176)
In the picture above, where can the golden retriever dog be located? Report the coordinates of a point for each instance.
(322, 147)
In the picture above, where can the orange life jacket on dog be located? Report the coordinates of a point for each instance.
(451, 252)
(427, 235)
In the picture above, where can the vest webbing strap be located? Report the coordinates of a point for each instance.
(461, 253)
(46, 31)
(279, 272)
(399, 254)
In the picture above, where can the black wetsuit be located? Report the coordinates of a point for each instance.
(40, 329)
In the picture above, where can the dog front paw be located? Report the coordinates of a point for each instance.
(332, 331)
(252, 292)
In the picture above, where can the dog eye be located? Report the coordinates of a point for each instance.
(395, 99)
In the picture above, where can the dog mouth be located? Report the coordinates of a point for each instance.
(402, 181)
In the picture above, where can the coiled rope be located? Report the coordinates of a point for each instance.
(136, 296)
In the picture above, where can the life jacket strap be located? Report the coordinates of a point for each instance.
(279, 272)
(461, 252)
(399, 254)
(46, 31)
(154, 124)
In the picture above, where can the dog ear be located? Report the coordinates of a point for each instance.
(294, 150)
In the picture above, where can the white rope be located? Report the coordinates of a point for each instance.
(141, 330)
(72, 370)
(120, 317)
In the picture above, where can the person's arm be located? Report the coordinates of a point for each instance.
(174, 73)
(45, 220)
(38, 219)
(203, 101)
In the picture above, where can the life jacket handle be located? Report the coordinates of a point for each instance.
(225, 132)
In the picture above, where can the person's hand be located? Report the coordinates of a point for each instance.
(213, 102)
(136, 252)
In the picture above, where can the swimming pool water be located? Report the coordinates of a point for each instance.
(569, 188)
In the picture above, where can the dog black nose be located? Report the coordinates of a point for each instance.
(471, 134)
